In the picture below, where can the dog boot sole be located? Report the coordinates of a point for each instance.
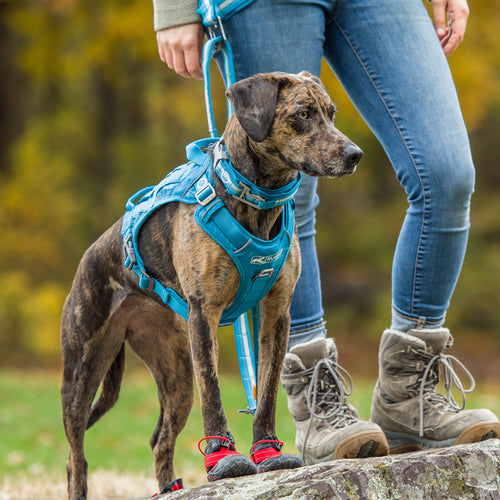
(279, 463)
(232, 466)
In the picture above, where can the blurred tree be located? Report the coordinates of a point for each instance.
(89, 115)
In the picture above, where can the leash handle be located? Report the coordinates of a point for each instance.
(219, 43)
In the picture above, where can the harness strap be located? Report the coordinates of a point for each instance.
(168, 295)
(246, 191)
(259, 275)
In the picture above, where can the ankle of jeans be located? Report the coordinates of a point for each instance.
(303, 333)
(402, 322)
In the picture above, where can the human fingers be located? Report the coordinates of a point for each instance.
(458, 14)
(450, 21)
(180, 48)
(440, 17)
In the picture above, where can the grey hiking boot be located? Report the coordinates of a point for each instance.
(327, 426)
(405, 403)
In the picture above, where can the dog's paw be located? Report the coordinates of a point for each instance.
(267, 456)
(223, 461)
(234, 465)
(175, 485)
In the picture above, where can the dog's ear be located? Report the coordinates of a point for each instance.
(254, 103)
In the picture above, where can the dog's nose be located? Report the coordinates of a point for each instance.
(352, 156)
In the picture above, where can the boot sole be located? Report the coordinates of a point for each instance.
(404, 443)
(362, 445)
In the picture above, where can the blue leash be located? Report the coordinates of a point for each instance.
(248, 356)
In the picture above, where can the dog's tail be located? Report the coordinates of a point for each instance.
(110, 388)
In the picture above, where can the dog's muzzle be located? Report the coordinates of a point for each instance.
(351, 157)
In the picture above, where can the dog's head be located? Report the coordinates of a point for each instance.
(292, 117)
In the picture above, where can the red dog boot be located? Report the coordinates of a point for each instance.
(267, 455)
(175, 485)
(222, 460)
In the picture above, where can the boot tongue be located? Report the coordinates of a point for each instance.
(311, 352)
(435, 340)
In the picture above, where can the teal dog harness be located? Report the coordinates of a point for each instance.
(258, 261)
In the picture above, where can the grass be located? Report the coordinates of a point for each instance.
(33, 445)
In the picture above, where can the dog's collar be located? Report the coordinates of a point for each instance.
(246, 191)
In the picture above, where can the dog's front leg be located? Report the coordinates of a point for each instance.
(273, 341)
(266, 449)
(272, 349)
(204, 351)
(221, 458)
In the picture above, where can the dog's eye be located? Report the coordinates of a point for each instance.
(304, 114)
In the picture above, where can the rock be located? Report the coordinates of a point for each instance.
(456, 473)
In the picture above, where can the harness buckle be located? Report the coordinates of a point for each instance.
(205, 194)
(129, 253)
(265, 273)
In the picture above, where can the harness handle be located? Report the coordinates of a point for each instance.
(134, 199)
(194, 150)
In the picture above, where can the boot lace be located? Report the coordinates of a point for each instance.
(430, 378)
(326, 396)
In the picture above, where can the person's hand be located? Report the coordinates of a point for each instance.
(180, 48)
(450, 20)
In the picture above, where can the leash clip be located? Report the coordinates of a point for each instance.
(248, 411)
(129, 253)
(220, 153)
(217, 31)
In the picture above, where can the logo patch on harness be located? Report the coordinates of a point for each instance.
(260, 260)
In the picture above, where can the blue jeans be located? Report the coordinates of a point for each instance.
(389, 60)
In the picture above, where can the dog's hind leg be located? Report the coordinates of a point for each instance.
(87, 356)
(159, 338)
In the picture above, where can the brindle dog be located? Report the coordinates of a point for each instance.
(282, 124)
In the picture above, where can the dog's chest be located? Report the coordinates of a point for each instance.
(258, 262)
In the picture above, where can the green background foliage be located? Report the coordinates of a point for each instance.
(89, 115)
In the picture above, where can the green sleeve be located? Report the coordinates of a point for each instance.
(170, 13)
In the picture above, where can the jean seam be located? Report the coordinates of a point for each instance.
(321, 324)
(422, 184)
(418, 319)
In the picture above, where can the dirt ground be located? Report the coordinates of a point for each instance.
(101, 485)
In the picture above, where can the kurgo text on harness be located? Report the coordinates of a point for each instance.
(259, 262)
